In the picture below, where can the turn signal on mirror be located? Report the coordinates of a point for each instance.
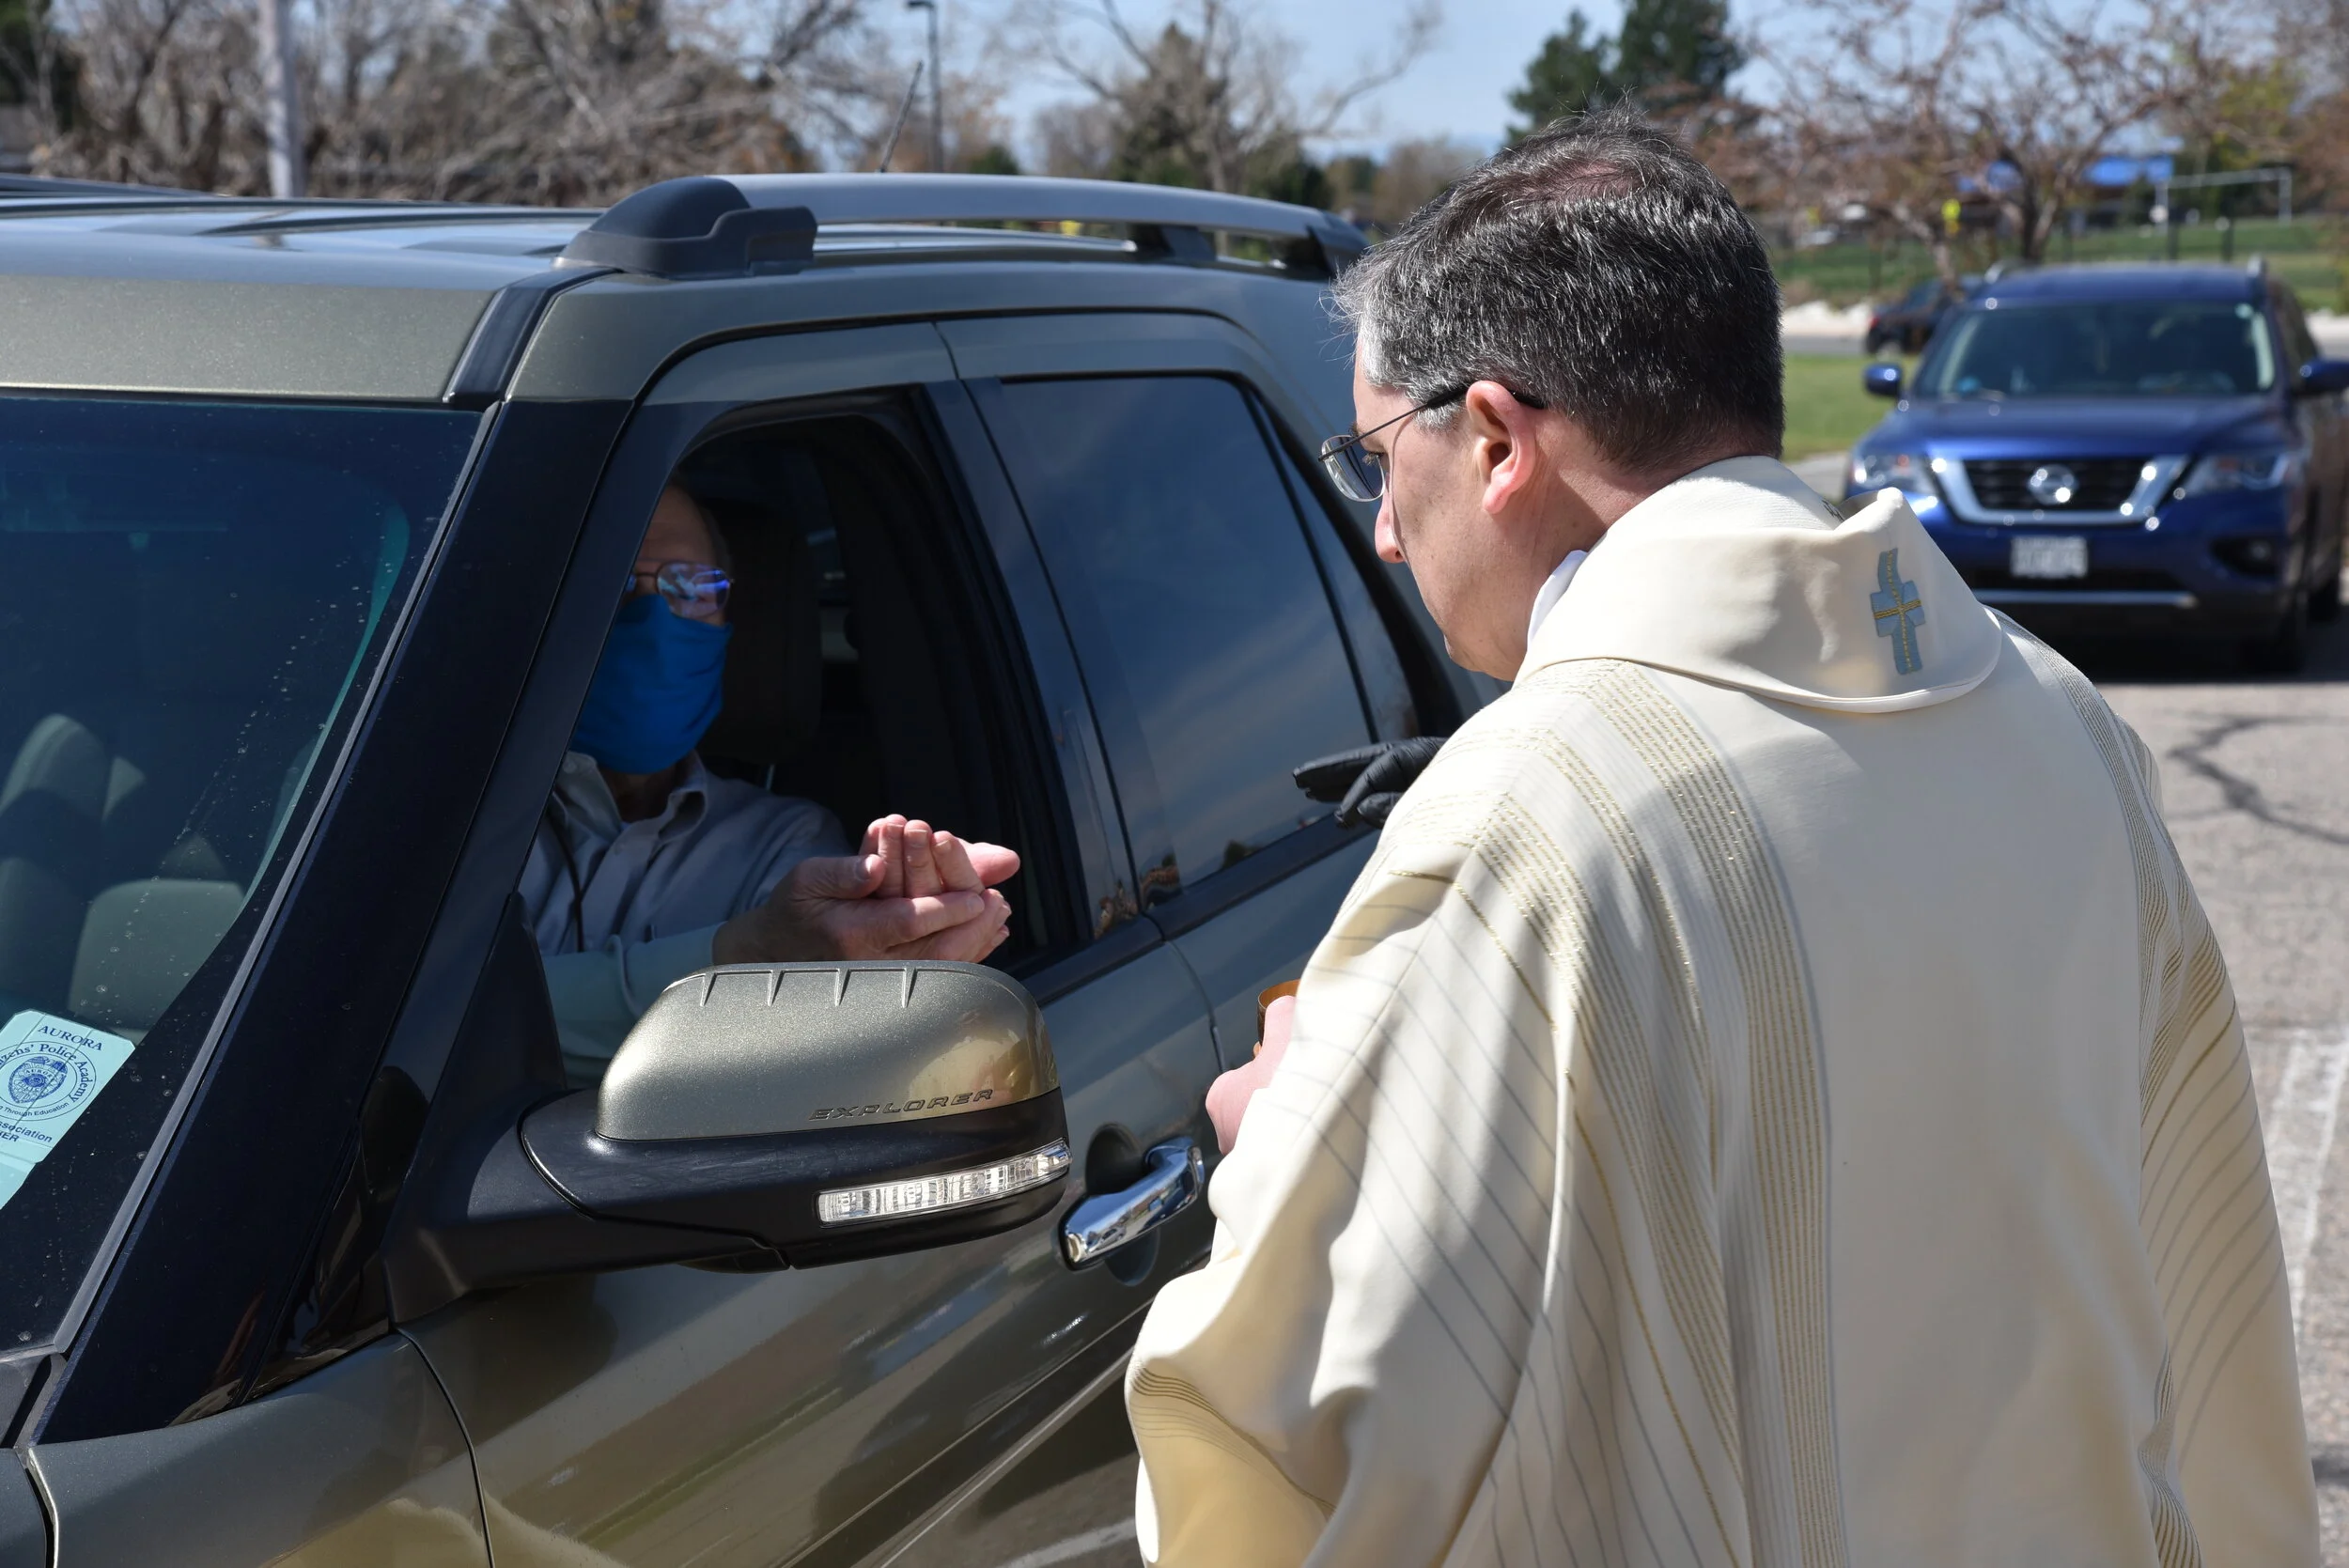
(953, 1190)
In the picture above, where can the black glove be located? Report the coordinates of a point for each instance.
(1367, 780)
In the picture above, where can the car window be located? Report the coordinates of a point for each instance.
(2105, 349)
(194, 593)
(1199, 617)
(1378, 667)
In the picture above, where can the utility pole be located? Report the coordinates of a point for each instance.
(281, 110)
(938, 110)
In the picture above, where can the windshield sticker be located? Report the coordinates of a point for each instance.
(51, 1069)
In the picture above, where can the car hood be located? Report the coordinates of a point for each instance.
(2078, 427)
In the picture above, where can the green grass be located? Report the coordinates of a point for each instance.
(2306, 254)
(1825, 411)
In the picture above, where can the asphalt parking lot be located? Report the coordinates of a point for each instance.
(2252, 775)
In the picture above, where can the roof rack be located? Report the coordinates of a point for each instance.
(53, 185)
(707, 226)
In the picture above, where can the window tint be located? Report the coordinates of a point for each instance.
(1198, 613)
(196, 592)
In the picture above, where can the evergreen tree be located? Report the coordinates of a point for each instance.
(1676, 54)
(1671, 54)
(1574, 72)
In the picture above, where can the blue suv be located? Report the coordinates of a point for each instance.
(2128, 449)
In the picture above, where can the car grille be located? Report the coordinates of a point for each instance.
(2002, 484)
(2123, 580)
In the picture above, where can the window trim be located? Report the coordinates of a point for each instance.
(1232, 885)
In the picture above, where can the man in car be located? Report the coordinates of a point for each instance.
(1772, 1097)
(648, 866)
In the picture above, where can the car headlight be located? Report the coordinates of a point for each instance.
(2241, 470)
(1904, 470)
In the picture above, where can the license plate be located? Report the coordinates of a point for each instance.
(2044, 557)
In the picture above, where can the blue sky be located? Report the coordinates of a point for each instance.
(1459, 86)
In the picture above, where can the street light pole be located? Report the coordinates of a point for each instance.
(281, 110)
(938, 111)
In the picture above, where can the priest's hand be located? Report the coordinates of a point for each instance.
(1228, 1096)
(1367, 781)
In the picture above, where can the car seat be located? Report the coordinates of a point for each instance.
(857, 715)
(136, 815)
(774, 678)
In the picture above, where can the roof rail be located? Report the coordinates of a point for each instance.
(708, 226)
(52, 185)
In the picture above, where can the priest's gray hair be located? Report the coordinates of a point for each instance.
(1598, 266)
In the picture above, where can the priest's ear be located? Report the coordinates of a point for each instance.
(1504, 444)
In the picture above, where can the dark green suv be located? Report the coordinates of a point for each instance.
(314, 517)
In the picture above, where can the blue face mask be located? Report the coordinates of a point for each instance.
(656, 692)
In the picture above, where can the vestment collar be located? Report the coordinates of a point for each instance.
(1553, 589)
(1740, 574)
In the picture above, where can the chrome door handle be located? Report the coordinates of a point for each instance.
(1174, 1174)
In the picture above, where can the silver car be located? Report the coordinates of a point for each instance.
(311, 518)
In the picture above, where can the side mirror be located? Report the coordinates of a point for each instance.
(2321, 377)
(1881, 379)
(775, 1115)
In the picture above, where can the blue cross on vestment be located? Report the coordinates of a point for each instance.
(1899, 612)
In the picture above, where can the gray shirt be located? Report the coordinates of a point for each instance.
(650, 895)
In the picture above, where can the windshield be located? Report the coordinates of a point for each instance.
(193, 594)
(2104, 348)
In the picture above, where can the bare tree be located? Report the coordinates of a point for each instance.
(539, 100)
(1903, 106)
(1207, 100)
(1382, 192)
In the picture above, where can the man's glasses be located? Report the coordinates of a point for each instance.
(1360, 473)
(693, 590)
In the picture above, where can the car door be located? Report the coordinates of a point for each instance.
(1221, 640)
(677, 1415)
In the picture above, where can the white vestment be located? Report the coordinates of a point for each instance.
(1772, 1098)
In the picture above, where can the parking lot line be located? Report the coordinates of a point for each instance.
(2302, 1114)
(1075, 1547)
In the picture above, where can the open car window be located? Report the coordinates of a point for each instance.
(196, 593)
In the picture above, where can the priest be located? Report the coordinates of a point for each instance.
(1772, 1098)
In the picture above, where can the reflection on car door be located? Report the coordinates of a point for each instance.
(672, 1416)
(362, 1461)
